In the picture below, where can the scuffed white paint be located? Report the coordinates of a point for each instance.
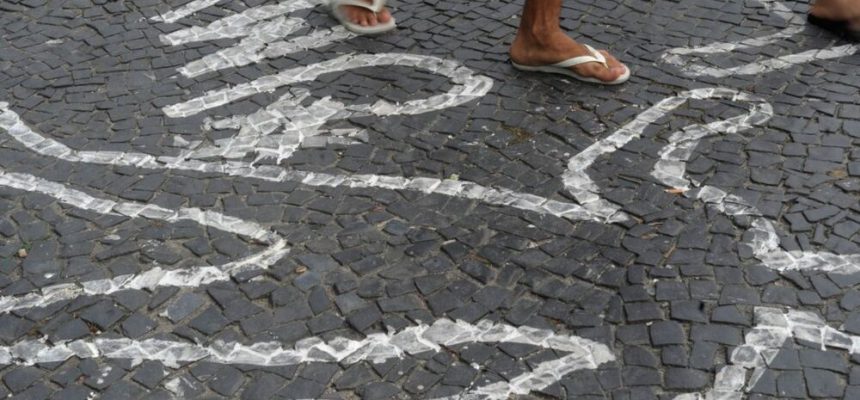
(156, 276)
(189, 8)
(296, 126)
(378, 347)
(257, 48)
(678, 56)
(279, 129)
(179, 386)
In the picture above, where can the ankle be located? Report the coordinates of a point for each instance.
(540, 35)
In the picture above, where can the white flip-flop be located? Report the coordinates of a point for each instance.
(563, 68)
(374, 6)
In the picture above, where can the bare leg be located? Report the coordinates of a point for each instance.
(365, 17)
(541, 41)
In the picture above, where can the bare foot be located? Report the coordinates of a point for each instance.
(365, 17)
(549, 48)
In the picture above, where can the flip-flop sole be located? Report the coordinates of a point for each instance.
(369, 30)
(360, 29)
(567, 72)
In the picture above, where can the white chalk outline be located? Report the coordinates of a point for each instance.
(155, 276)
(796, 23)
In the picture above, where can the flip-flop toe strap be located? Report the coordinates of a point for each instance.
(594, 56)
(375, 5)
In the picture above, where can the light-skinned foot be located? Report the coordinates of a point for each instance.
(365, 17)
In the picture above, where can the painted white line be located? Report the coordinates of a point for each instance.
(676, 56)
(189, 8)
(150, 279)
(279, 130)
(773, 328)
(377, 348)
(764, 242)
(586, 192)
(156, 276)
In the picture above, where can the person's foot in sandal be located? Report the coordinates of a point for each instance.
(543, 51)
(542, 46)
(363, 16)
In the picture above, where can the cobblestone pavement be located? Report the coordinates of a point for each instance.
(239, 199)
